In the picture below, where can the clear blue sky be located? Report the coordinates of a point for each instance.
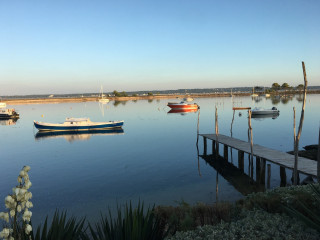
(74, 46)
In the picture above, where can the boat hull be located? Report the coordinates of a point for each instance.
(266, 112)
(183, 106)
(93, 126)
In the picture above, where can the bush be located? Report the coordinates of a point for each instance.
(186, 217)
(254, 225)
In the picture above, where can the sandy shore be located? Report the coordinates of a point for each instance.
(53, 100)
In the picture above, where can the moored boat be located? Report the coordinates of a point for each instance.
(262, 111)
(183, 105)
(103, 100)
(3, 105)
(77, 124)
(8, 113)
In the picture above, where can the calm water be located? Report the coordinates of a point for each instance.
(154, 159)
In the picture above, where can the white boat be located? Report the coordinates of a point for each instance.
(77, 124)
(254, 94)
(8, 113)
(103, 99)
(3, 105)
(262, 111)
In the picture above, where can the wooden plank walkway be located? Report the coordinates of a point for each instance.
(305, 165)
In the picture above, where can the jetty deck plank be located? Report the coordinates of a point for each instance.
(305, 165)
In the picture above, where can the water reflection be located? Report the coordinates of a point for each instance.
(11, 121)
(183, 111)
(72, 136)
(116, 103)
(235, 176)
(275, 100)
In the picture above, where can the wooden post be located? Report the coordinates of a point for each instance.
(297, 138)
(204, 145)
(217, 132)
(269, 175)
(213, 147)
(263, 171)
(251, 138)
(258, 169)
(225, 152)
(232, 122)
(283, 177)
(318, 165)
(241, 160)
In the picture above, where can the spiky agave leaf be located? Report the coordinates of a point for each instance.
(61, 228)
(134, 224)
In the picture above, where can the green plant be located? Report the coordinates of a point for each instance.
(185, 217)
(134, 224)
(256, 224)
(61, 228)
(17, 219)
(306, 212)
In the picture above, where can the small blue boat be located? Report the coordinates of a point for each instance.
(77, 124)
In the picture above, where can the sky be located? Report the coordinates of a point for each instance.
(76, 46)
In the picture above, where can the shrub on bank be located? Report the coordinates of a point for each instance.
(185, 217)
(256, 224)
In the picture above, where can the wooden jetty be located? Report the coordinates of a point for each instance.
(306, 166)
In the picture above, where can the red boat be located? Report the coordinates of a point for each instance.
(183, 105)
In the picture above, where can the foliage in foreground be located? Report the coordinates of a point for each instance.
(135, 224)
(309, 214)
(17, 219)
(185, 217)
(60, 228)
(256, 224)
(258, 216)
(274, 200)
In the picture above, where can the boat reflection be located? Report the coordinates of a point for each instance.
(183, 111)
(265, 116)
(10, 121)
(72, 136)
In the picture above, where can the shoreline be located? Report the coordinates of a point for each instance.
(21, 101)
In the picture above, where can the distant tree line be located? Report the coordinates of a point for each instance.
(124, 94)
(285, 86)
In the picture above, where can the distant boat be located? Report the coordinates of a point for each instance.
(8, 113)
(188, 99)
(77, 124)
(262, 111)
(103, 99)
(3, 105)
(254, 94)
(183, 105)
